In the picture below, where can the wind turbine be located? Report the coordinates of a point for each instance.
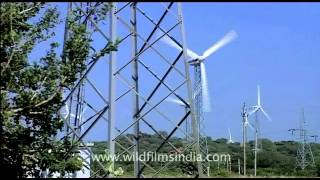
(200, 69)
(230, 137)
(256, 109)
(201, 92)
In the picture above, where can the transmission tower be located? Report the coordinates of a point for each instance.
(304, 153)
(200, 118)
(139, 72)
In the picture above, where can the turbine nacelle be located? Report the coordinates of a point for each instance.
(195, 62)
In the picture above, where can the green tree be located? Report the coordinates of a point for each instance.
(317, 163)
(31, 89)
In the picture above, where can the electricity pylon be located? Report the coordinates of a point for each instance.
(304, 153)
(140, 76)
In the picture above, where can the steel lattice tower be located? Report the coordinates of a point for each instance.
(304, 153)
(138, 72)
(202, 138)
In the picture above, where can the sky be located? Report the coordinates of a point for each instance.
(278, 47)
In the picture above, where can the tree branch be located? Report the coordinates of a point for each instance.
(26, 10)
(42, 102)
(39, 104)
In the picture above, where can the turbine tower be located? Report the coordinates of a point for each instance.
(256, 109)
(201, 92)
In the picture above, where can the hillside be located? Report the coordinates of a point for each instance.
(274, 158)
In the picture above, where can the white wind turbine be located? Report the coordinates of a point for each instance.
(230, 137)
(197, 61)
(256, 109)
(201, 92)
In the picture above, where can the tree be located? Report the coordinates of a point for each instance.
(31, 89)
(317, 163)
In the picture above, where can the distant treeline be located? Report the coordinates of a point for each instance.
(274, 158)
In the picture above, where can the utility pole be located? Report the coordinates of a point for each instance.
(244, 120)
(304, 153)
(227, 166)
(230, 167)
(256, 144)
(239, 167)
(255, 152)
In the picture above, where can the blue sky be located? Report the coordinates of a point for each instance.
(278, 48)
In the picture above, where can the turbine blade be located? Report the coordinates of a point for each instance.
(171, 43)
(258, 94)
(204, 88)
(222, 42)
(192, 54)
(253, 111)
(230, 138)
(247, 123)
(268, 117)
(176, 101)
(251, 126)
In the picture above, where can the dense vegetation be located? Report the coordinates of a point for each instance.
(32, 88)
(274, 158)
